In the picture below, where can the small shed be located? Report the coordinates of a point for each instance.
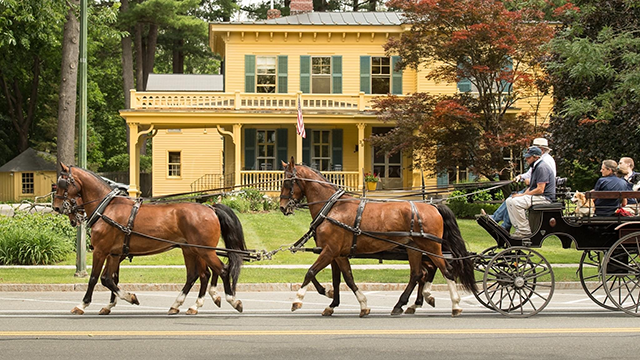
(27, 176)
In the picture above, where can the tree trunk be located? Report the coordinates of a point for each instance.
(139, 58)
(178, 57)
(127, 68)
(150, 56)
(68, 87)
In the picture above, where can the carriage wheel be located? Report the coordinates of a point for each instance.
(513, 282)
(621, 274)
(481, 263)
(592, 259)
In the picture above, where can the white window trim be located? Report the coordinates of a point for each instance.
(179, 164)
(313, 152)
(329, 75)
(275, 149)
(275, 85)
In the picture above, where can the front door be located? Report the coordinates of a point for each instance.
(388, 168)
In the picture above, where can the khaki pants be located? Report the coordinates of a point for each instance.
(517, 206)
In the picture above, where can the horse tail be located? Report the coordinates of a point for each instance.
(463, 269)
(233, 235)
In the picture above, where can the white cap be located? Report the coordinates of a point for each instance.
(541, 142)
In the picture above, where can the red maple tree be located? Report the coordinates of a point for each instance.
(499, 51)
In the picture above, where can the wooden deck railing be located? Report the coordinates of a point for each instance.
(271, 180)
(154, 100)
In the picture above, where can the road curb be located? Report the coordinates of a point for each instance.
(258, 287)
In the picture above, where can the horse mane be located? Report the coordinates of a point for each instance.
(98, 177)
(317, 172)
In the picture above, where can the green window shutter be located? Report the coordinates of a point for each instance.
(336, 74)
(282, 142)
(305, 74)
(464, 85)
(283, 66)
(306, 147)
(396, 77)
(249, 73)
(507, 87)
(336, 147)
(365, 74)
(249, 149)
(443, 180)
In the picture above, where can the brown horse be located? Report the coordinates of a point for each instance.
(337, 242)
(157, 228)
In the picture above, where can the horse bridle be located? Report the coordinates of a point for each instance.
(69, 205)
(290, 183)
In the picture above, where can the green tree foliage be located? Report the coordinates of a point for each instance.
(499, 51)
(595, 73)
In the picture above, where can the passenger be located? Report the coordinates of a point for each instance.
(625, 167)
(501, 213)
(542, 190)
(609, 182)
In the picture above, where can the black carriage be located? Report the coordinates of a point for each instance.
(518, 281)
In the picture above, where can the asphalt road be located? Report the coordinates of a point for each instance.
(38, 325)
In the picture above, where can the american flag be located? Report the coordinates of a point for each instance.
(300, 123)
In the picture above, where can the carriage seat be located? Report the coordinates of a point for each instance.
(549, 206)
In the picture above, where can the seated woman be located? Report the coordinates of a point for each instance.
(609, 182)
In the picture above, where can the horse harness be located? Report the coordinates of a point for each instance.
(357, 231)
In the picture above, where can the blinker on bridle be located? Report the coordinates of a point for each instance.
(289, 184)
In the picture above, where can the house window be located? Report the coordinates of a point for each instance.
(27, 183)
(321, 75)
(174, 164)
(266, 74)
(380, 75)
(321, 155)
(266, 144)
(458, 175)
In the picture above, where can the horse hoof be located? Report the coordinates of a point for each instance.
(394, 312)
(217, 301)
(296, 306)
(365, 312)
(330, 293)
(456, 312)
(239, 307)
(410, 310)
(431, 301)
(173, 311)
(192, 311)
(327, 312)
(104, 311)
(134, 300)
(77, 311)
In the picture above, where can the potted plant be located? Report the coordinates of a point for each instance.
(371, 180)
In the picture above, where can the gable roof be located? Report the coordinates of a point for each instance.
(30, 160)
(185, 82)
(333, 18)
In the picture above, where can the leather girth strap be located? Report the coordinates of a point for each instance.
(356, 225)
(127, 234)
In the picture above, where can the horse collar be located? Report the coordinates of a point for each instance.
(97, 213)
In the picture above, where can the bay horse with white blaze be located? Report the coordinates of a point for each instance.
(195, 228)
(339, 236)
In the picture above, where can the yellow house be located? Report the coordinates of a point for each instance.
(328, 65)
(27, 176)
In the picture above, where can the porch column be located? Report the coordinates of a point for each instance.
(134, 161)
(237, 141)
(361, 127)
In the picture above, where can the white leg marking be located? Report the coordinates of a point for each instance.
(232, 300)
(126, 296)
(426, 291)
(214, 293)
(453, 292)
(179, 301)
(301, 293)
(112, 305)
(361, 299)
(198, 304)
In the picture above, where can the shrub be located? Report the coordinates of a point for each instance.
(470, 210)
(35, 239)
(248, 199)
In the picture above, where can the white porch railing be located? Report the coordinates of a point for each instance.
(148, 100)
(272, 180)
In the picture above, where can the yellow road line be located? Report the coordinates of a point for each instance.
(160, 333)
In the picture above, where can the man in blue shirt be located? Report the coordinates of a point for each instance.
(542, 190)
(609, 182)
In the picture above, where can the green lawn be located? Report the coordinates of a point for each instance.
(269, 231)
